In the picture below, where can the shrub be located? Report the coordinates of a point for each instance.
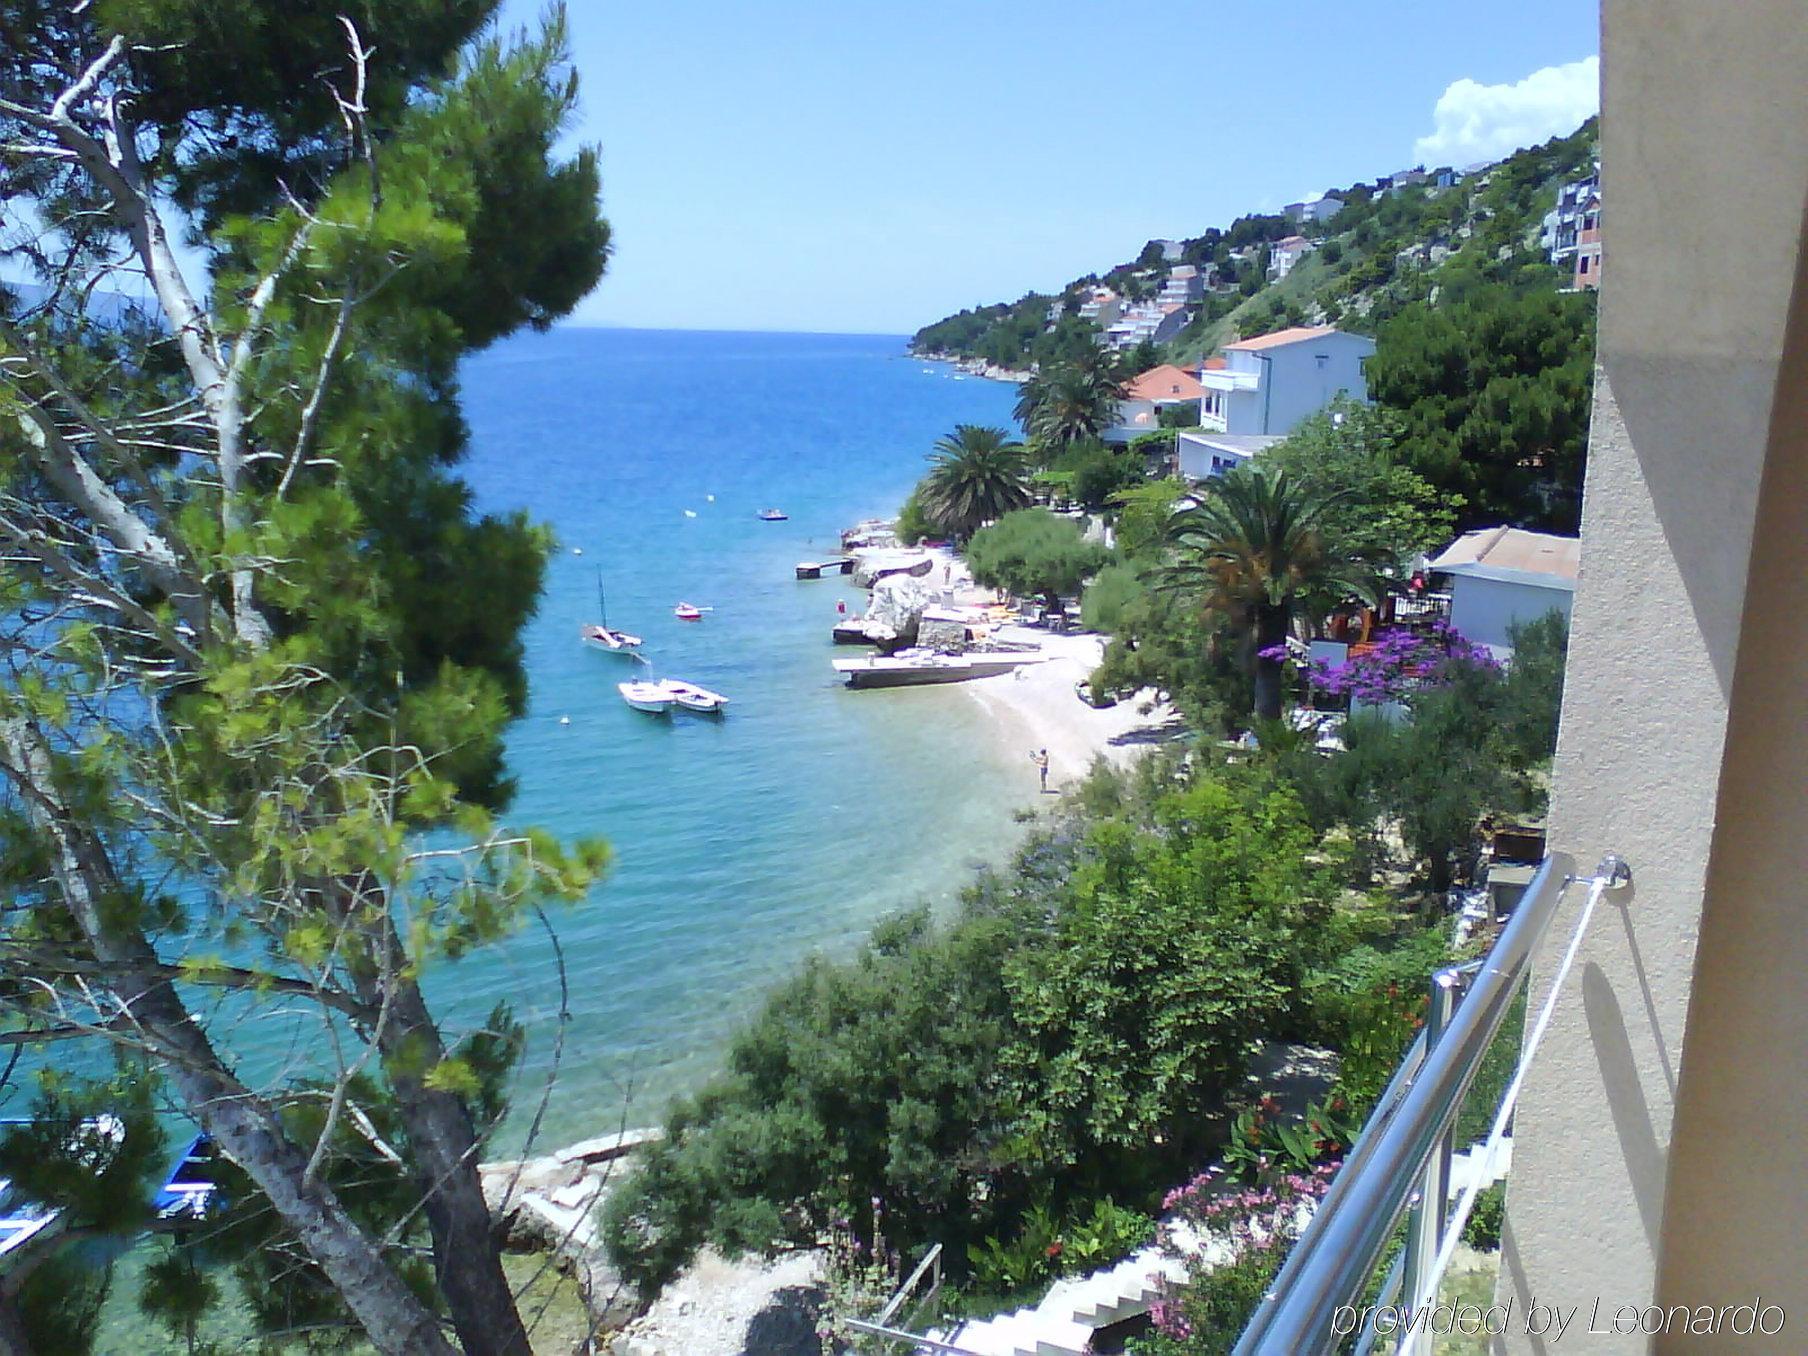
(1482, 1232)
(1069, 1034)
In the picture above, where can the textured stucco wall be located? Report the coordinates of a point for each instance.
(1703, 139)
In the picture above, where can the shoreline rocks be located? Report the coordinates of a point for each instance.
(549, 1204)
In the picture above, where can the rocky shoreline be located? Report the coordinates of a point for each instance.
(550, 1205)
(976, 367)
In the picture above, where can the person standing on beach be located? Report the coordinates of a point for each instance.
(1040, 759)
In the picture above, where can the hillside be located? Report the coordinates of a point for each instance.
(1381, 252)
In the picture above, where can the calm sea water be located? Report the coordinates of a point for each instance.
(809, 811)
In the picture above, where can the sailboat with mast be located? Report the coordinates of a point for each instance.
(599, 635)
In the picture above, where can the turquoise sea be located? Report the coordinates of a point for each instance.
(809, 810)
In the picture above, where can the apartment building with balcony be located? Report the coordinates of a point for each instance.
(1271, 383)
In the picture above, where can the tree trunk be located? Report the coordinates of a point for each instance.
(1271, 630)
(467, 1250)
(244, 1126)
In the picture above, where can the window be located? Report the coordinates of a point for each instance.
(1582, 267)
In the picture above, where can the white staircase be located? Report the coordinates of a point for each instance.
(1076, 1307)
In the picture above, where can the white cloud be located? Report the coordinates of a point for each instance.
(1483, 122)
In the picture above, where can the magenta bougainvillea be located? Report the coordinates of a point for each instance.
(1397, 664)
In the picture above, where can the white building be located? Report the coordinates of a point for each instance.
(1500, 577)
(1270, 384)
(1101, 308)
(1184, 284)
(1322, 208)
(1286, 253)
(1147, 396)
(1200, 456)
(1563, 223)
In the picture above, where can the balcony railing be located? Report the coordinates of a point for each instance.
(1399, 1169)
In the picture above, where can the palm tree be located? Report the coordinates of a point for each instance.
(1073, 401)
(977, 476)
(1254, 549)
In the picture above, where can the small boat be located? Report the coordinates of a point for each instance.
(600, 636)
(773, 515)
(693, 698)
(653, 698)
(690, 612)
(910, 668)
(610, 642)
(189, 1189)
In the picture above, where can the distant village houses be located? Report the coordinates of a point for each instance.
(1572, 231)
(1285, 254)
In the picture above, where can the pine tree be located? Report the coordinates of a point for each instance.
(256, 643)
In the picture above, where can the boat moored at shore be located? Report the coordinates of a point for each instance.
(910, 668)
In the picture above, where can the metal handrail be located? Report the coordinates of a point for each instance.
(1332, 1262)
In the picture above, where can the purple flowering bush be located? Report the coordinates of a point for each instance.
(1204, 1314)
(1399, 663)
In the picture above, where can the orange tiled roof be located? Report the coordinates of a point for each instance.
(1166, 382)
(1289, 336)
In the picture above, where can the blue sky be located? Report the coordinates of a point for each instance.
(869, 167)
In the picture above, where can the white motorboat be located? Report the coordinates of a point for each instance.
(690, 612)
(693, 698)
(773, 515)
(653, 698)
(908, 668)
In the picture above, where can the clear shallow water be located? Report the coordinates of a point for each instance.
(810, 810)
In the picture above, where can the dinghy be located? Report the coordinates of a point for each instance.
(653, 698)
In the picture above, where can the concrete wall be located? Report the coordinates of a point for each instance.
(1662, 1142)
(1485, 610)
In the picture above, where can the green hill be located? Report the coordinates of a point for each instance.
(1379, 254)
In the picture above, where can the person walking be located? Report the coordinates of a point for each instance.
(1040, 759)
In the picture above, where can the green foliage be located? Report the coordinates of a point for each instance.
(1143, 512)
(1107, 595)
(1255, 547)
(61, 1302)
(1377, 508)
(249, 726)
(1467, 748)
(1486, 1218)
(1095, 1001)
(1492, 394)
(1163, 641)
(1098, 473)
(913, 523)
(1034, 553)
(1072, 401)
(1045, 1248)
(978, 476)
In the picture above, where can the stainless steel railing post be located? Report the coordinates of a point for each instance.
(1329, 1267)
(1431, 1204)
